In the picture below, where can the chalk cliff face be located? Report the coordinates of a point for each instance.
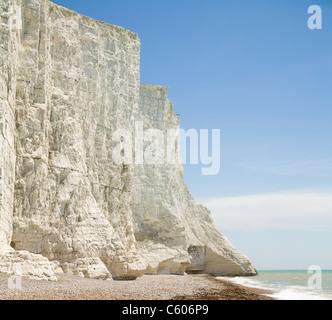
(67, 83)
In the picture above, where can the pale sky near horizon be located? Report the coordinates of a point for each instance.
(254, 70)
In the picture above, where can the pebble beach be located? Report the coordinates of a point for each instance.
(159, 287)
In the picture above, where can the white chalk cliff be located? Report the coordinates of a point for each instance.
(67, 83)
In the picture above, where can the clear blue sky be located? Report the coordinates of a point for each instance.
(254, 70)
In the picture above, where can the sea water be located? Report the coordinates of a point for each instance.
(289, 284)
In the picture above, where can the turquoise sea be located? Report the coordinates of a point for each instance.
(290, 284)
